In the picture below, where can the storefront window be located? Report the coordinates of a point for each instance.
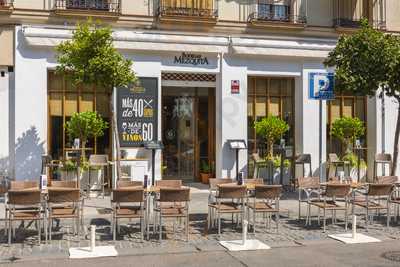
(272, 96)
(66, 99)
(345, 106)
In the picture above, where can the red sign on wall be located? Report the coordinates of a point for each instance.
(235, 87)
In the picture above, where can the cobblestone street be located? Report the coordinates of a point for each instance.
(97, 210)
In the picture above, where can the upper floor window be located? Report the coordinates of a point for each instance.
(96, 5)
(287, 11)
(188, 8)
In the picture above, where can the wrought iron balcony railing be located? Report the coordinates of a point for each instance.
(109, 6)
(285, 13)
(203, 10)
(6, 4)
(349, 13)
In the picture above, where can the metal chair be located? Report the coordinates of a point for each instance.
(329, 202)
(258, 163)
(64, 203)
(17, 185)
(65, 184)
(214, 182)
(304, 159)
(383, 159)
(99, 161)
(372, 201)
(269, 204)
(24, 205)
(180, 198)
(230, 199)
(387, 179)
(309, 186)
(121, 184)
(169, 183)
(334, 161)
(128, 203)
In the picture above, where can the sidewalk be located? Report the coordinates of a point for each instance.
(292, 233)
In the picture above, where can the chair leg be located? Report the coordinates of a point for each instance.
(160, 226)
(388, 216)
(366, 220)
(9, 231)
(141, 229)
(345, 218)
(324, 220)
(187, 227)
(219, 224)
(254, 221)
(114, 228)
(50, 227)
(277, 221)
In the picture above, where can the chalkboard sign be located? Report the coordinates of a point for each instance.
(137, 113)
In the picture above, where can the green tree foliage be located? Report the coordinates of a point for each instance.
(366, 63)
(347, 130)
(85, 125)
(90, 58)
(271, 128)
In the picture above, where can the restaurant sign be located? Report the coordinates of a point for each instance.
(137, 113)
(191, 59)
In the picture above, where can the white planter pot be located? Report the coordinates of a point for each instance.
(68, 175)
(354, 174)
(95, 179)
(277, 176)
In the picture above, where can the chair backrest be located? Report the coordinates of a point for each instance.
(303, 159)
(333, 157)
(127, 195)
(308, 182)
(338, 190)
(169, 183)
(99, 160)
(24, 184)
(387, 179)
(129, 184)
(231, 191)
(174, 194)
(380, 189)
(268, 191)
(383, 157)
(254, 181)
(69, 184)
(64, 195)
(214, 182)
(24, 197)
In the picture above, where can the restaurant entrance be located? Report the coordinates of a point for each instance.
(188, 120)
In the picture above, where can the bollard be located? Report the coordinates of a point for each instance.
(354, 226)
(92, 237)
(244, 238)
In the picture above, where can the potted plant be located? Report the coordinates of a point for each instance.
(85, 125)
(68, 170)
(205, 171)
(347, 130)
(272, 129)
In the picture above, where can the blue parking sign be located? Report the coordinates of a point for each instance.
(321, 86)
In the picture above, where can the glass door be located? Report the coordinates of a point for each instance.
(179, 132)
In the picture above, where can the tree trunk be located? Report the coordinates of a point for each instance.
(270, 149)
(83, 155)
(396, 140)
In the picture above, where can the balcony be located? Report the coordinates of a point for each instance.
(6, 5)
(285, 13)
(349, 13)
(197, 11)
(101, 8)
